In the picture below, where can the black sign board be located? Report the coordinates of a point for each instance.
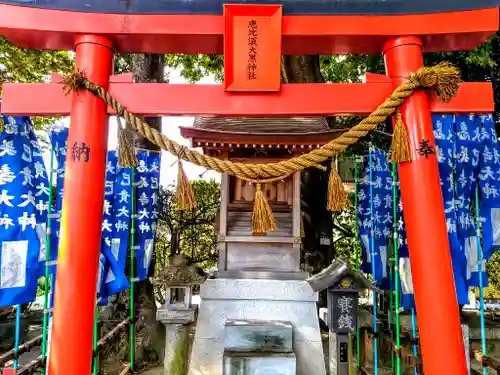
(342, 312)
(295, 7)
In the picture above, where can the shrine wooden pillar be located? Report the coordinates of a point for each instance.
(80, 242)
(432, 273)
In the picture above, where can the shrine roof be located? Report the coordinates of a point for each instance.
(334, 273)
(267, 125)
(260, 130)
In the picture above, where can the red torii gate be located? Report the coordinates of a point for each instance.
(95, 36)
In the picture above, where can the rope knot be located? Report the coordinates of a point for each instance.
(74, 81)
(443, 80)
(413, 81)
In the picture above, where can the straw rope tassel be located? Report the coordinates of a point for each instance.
(126, 150)
(184, 195)
(262, 217)
(400, 150)
(337, 196)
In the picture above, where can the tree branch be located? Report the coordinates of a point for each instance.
(204, 259)
(342, 230)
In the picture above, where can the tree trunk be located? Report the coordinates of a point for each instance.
(150, 334)
(317, 220)
(175, 245)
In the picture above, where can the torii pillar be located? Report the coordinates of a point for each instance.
(427, 235)
(78, 261)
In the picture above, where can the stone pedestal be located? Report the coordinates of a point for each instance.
(466, 335)
(177, 321)
(223, 300)
(332, 353)
(340, 357)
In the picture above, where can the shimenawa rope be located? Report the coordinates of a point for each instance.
(443, 80)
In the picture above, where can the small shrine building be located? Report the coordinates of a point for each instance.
(259, 278)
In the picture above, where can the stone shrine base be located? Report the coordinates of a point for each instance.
(253, 299)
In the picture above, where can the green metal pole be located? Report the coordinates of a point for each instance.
(95, 369)
(47, 258)
(391, 306)
(480, 258)
(356, 249)
(132, 273)
(396, 265)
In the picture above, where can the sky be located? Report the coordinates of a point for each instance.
(171, 128)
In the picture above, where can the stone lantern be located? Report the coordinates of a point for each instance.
(178, 313)
(343, 286)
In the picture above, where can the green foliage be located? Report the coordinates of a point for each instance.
(31, 65)
(344, 240)
(350, 68)
(190, 233)
(123, 63)
(493, 268)
(346, 68)
(195, 67)
(42, 287)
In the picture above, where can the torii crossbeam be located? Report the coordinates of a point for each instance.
(292, 99)
(97, 30)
